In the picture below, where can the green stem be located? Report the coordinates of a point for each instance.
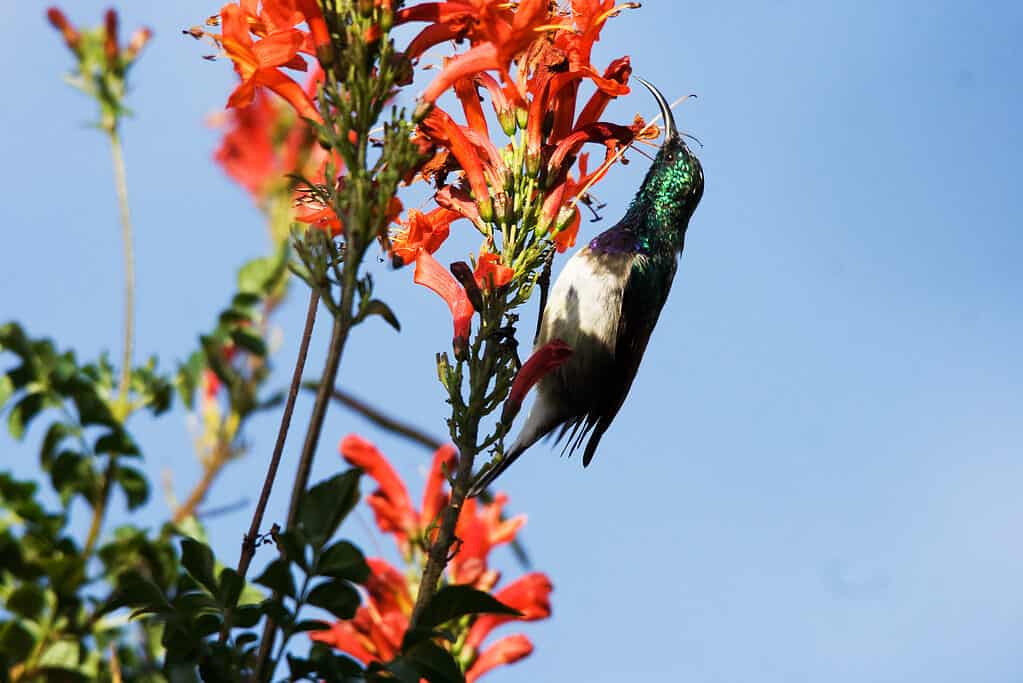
(121, 185)
(121, 406)
(480, 375)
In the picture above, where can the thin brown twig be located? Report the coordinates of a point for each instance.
(384, 421)
(249, 541)
(339, 336)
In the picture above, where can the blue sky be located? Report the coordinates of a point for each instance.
(816, 476)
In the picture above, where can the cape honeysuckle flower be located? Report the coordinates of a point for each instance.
(479, 532)
(430, 273)
(258, 63)
(421, 231)
(498, 31)
(375, 633)
(391, 503)
(490, 273)
(547, 358)
(551, 48)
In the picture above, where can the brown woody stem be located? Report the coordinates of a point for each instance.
(249, 541)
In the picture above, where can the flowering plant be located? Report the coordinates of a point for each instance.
(313, 132)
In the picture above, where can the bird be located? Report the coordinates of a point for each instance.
(605, 304)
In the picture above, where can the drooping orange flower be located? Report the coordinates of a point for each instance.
(391, 503)
(375, 633)
(433, 275)
(258, 63)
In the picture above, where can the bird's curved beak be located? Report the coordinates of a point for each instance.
(670, 129)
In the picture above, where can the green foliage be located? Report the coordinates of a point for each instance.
(261, 282)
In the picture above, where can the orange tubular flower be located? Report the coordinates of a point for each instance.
(258, 63)
(376, 632)
(432, 274)
(550, 48)
(490, 272)
(421, 231)
(507, 650)
(529, 594)
(479, 534)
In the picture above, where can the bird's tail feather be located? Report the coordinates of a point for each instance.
(487, 476)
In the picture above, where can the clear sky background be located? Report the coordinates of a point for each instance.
(817, 474)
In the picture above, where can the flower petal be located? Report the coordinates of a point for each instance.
(391, 502)
(433, 275)
(507, 650)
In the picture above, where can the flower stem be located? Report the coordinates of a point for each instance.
(121, 185)
(121, 405)
(339, 336)
(480, 374)
(249, 540)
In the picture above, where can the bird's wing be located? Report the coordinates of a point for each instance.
(643, 297)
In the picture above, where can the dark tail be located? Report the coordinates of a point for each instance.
(486, 477)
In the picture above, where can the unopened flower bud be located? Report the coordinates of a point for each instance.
(72, 38)
(110, 50)
(137, 42)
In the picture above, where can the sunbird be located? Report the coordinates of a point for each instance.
(606, 302)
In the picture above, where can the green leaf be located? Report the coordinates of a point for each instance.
(276, 610)
(197, 559)
(310, 625)
(277, 577)
(7, 389)
(249, 340)
(234, 316)
(23, 412)
(378, 307)
(327, 504)
(343, 561)
(15, 640)
(247, 616)
(434, 663)
(140, 592)
(452, 602)
(262, 275)
(65, 655)
(337, 597)
(27, 601)
(230, 588)
(135, 485)
(116, 442)
(292, 543)
(55, 434)
(72, 473)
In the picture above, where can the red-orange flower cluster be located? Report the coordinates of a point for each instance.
(376, 632)
(261, 38)
(550, 49)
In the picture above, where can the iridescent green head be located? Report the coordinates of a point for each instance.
(673, 186)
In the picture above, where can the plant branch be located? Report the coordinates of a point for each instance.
(249, 541)
(339, 336)
(480, 374)
(382, 420)
(121, 185)
(121, 406)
